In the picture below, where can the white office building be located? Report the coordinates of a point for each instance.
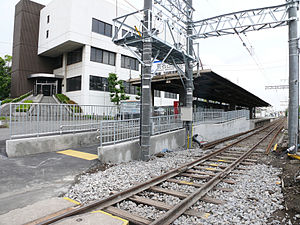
(77, 36)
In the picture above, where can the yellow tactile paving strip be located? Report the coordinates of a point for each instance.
(78, 154)
(71, 200)
(125, 222)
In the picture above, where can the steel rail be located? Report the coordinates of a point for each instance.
(111, 200)
(185, 204)
(272, 141)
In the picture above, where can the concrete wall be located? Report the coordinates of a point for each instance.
(128, 151)
(28, 146)
(211, 132)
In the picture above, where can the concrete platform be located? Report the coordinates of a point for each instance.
(94, 218)
(48, 206)
(34, 211)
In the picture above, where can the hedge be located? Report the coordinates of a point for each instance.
(24, 107)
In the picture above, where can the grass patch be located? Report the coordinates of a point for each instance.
(66, 100)
(8, 100)
(14, 100)
(24, 107)
(62, 98)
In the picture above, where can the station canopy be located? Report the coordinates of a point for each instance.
(208, 85)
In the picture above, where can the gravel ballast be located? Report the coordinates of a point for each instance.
(256, 194)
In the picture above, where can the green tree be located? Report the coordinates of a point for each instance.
(138, 97)
(5, 76)
(116, 89)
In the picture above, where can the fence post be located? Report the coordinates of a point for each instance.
(38, 120)
(114, 132)
(10, 119)
(100, 133)
(61, 114)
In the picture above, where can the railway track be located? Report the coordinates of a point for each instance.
(203, 174)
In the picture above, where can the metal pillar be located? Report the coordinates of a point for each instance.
(293, 120)
(189, 74)
(146, 84)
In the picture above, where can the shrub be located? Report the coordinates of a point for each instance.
(62, 98)
(8, 100)
(76, 109)
(21, 97)
(71, 102)
(65, 100)
(24, 107)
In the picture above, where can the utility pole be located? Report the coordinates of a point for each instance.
(189, 75)
(293, 116)
(146, 82)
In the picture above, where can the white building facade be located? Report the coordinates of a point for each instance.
(79, 35)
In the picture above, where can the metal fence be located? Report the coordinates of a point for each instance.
(219, 116)
(38, 119)
(33, 119)
(114, 131)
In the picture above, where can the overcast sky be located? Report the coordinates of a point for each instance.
(225, 55)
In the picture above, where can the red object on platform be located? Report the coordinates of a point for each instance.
(176, 105)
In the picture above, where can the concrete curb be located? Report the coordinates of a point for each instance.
(130, 150)
(28, 146)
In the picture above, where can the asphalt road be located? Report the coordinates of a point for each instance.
(26, 180)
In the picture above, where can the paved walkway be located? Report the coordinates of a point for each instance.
(26, 180)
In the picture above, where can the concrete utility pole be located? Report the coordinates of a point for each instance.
(293, 120)
(189, 74)
(146, 83)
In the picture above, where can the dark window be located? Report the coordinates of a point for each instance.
(101, 27)
(48, 19)
(126, 87)
(74, 84)
(74, 56)
(58, 61)
(108, 30)
(98, 83)
(156, 93)
(170, 95)
(133, 90)
(129, 63)
(47, 33)
(103, 56)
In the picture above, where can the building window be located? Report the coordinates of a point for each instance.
(126, 87)
(103, 56)
(129, 89)
(58, 61)
(101, 28)
(98, 83)
(74, 56)
(74, 83)
(47, 33)
(48, 19)
(133, 89)
(156, 93)
(129, 63)
(170, 95)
